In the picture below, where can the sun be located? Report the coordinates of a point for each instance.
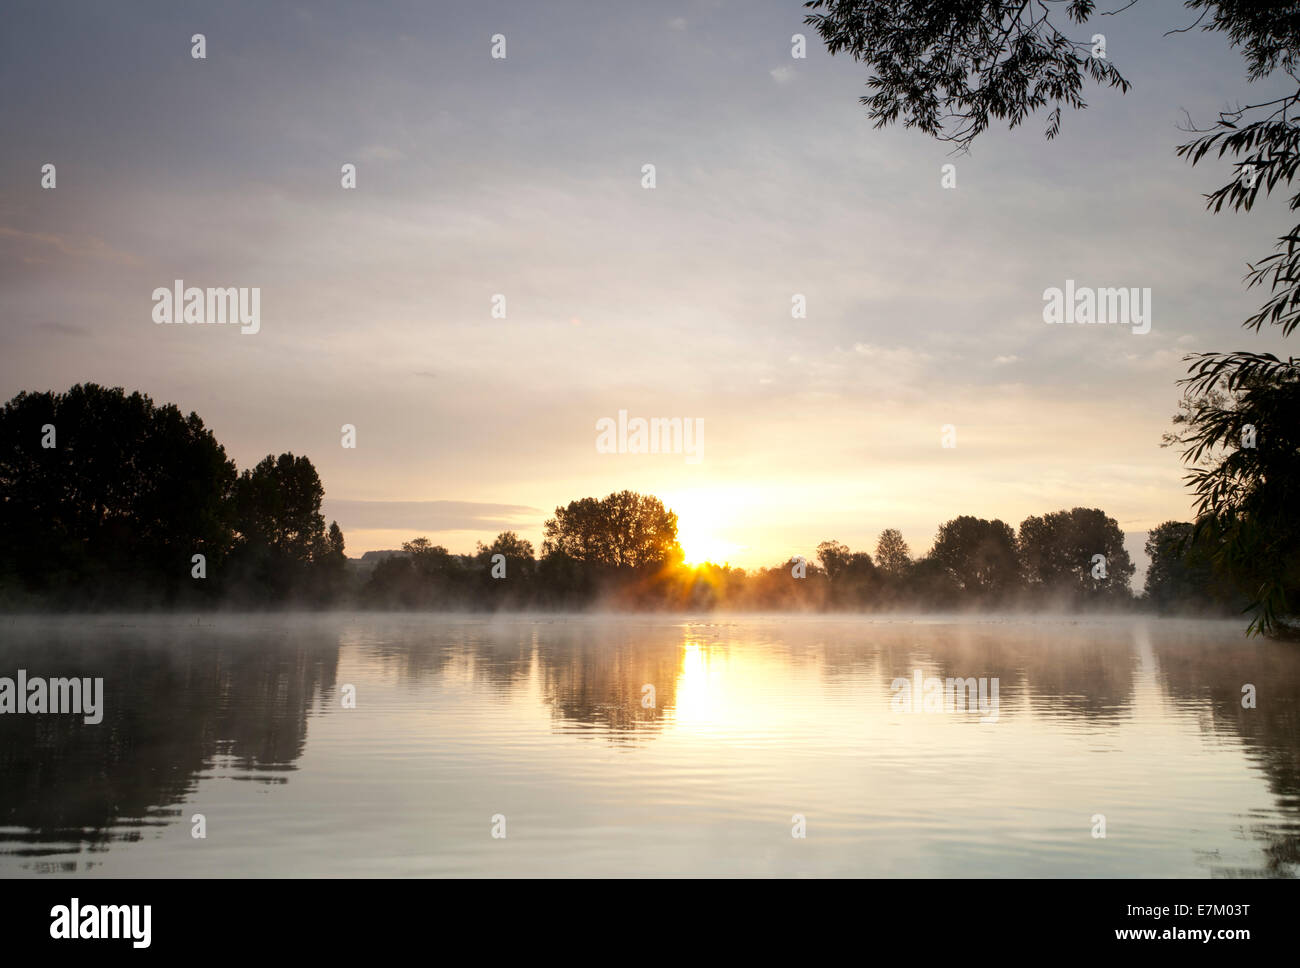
(697, 551)
(699, 542)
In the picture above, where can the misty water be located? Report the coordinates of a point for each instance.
(542, 728)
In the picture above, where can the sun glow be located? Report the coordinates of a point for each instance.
(696, 524)
(698, 550)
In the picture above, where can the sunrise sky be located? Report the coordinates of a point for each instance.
(522, 176)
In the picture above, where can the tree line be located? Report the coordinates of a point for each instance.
(108, 500)
(621, 551)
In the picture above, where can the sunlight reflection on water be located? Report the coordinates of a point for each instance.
(543, 720)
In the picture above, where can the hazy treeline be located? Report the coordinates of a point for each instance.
(587, 559)
(110, 501)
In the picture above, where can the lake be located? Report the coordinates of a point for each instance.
(455, 745)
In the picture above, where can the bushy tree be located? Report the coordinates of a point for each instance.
(1182, 576)
(623, 530)
(518, 552)
(1058, 550)
(279, 529)
(851, 574)
(980, 556)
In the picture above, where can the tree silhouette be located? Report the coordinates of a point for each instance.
(893, 557)
(128, 492)
(1244, 448)
(280, 533)
(518, 553)
(852, 574)
(278, 505)
(949, 68)
(980, 556)
(1058, 554)
(1182, 575)
(623, 530)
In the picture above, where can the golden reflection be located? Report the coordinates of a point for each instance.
(701, 687)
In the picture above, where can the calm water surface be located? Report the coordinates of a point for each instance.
(755, 720)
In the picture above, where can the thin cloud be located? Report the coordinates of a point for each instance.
(429, 515)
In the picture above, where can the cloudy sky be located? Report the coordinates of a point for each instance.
(523, 177)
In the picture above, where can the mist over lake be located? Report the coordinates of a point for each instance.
(524, 744)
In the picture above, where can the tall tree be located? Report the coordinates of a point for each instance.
(334, 542)
(280, 530)
(893, 557)
(1245, 495)
(1242, 442)
(278, 505)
